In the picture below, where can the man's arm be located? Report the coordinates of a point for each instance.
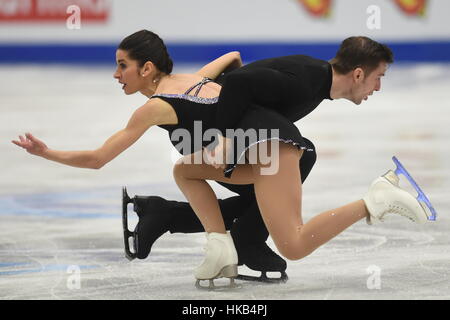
(223, 64)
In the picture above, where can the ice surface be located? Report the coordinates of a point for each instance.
(55, 217)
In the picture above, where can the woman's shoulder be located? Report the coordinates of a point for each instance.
(159, 110)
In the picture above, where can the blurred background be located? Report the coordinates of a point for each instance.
(57, 59)
(71, 31)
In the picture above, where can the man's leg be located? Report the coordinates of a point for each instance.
(158, 215)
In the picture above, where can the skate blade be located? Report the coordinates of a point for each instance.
(421, 197)
(127, 234)
(263, 278)
(212, 286)
(229, 272)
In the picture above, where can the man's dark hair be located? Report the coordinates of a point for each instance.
(360, 52)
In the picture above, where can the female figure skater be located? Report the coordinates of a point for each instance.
(177, 100)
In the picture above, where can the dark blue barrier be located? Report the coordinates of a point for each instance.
(425, 51)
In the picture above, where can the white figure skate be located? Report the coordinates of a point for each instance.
(221, 261)
(385, 196)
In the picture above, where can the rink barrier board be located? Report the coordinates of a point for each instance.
(424, 51)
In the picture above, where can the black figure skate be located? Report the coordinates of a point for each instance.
(259, 257)
(154, 221)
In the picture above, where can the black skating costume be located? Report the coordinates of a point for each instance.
(266, 94)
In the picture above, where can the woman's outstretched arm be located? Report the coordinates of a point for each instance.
(223, 64)
(141, 120)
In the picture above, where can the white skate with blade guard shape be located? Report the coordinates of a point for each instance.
(386, 196)
(220, 262)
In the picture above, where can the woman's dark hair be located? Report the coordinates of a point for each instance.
(360, 52)
(144, 46)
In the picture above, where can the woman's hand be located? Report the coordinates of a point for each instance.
(217, 157)
(31, 144)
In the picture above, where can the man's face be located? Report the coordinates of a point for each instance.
(365, 84)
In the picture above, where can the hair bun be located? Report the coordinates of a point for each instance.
(144, 46)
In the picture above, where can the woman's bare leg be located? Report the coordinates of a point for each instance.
(191, 177)
(279, 200)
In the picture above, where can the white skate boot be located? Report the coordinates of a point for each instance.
(221, 261)
(385, 196)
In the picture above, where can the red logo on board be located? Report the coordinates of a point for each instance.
(412, 7)
(317, 8)
(52, 10)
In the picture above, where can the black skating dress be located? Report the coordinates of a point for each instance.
(258, 102)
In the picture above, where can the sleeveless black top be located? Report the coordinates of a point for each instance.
(195, 116)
